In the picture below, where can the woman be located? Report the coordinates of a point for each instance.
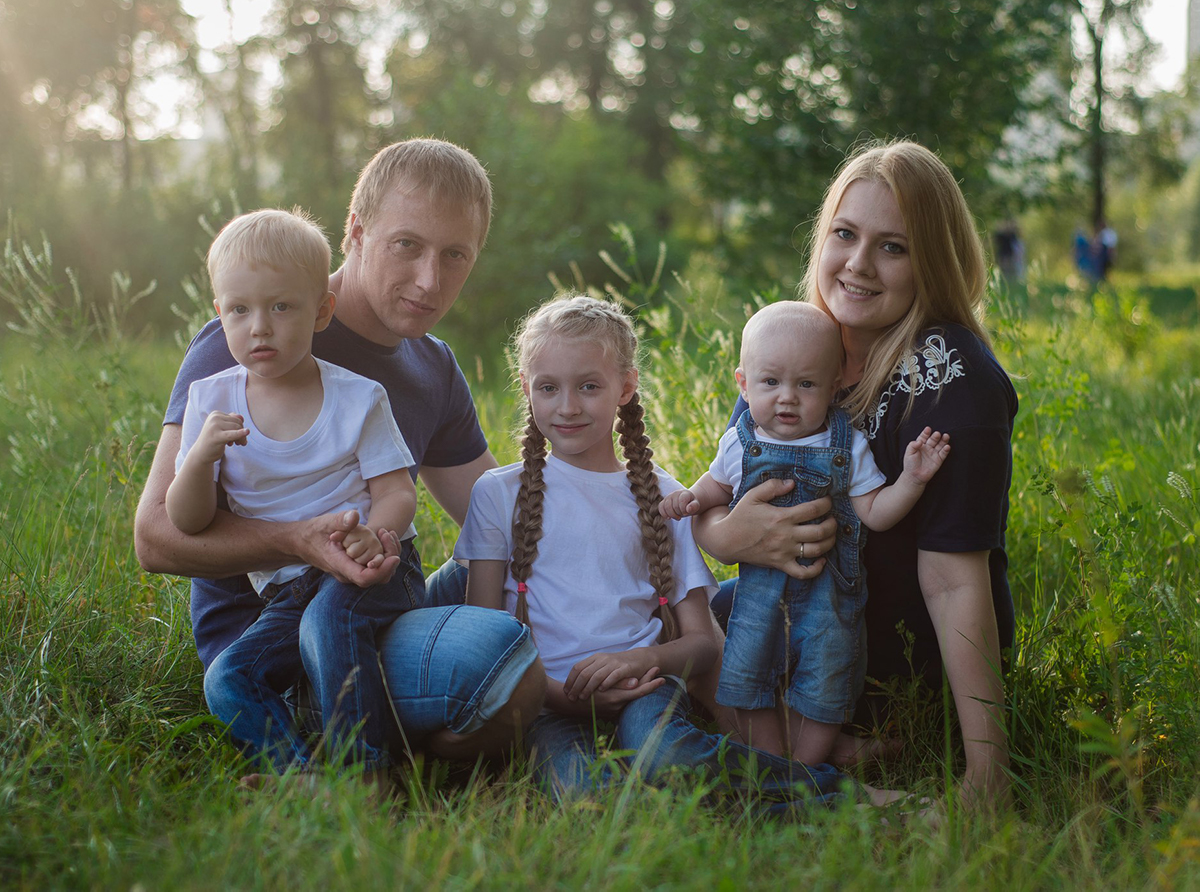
(896, 261)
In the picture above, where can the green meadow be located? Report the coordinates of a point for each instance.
(112, 774)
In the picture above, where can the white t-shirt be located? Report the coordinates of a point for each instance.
(324, 470)
(865, 476)
(589, 589)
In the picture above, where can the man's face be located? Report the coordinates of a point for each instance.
(410, 263)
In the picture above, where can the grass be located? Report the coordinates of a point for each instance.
(113, 775)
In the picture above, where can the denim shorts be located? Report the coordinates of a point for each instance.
(811, 638)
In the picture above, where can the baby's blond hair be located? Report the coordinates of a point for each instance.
(802, 323)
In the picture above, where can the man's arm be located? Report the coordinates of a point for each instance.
(451, 486)
(232, 545)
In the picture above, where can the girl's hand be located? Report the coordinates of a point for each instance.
(601, 672)
(608, 704)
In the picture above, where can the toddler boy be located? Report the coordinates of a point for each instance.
(290, 437)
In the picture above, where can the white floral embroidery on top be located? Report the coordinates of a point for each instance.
(932, 367)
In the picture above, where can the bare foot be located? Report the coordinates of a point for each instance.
(880, 798)
(258, 781)
(849, 750)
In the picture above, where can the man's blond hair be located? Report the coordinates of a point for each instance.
(446, 171)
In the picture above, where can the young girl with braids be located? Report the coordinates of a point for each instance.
(572, 542)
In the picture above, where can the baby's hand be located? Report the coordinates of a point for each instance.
(364, 546)
(220, 430)
(679, 504)
(925, 455)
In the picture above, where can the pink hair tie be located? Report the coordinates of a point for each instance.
(522, 588)
(662, 602)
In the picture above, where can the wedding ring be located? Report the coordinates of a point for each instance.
(801, 549)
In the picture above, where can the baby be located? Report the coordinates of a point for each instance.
(312, 438)
(809, 633)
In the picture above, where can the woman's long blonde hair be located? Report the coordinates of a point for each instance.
(948, 266)
(577, 316)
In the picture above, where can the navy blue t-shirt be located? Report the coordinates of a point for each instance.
(430, 401)
(958, 388)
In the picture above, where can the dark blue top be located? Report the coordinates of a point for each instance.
(960, 389)
(430, 401)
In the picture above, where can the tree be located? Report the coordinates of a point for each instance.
(79, 66)
(323, 105)
(1107, 83)
(612, 59)
(778, 93)
(559, 183)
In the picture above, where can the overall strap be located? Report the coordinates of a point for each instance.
(840, 431)
(745, 429)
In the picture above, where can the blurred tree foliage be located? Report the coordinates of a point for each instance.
(710, 125)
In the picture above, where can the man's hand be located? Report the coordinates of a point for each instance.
(220, 430)
(320, 544)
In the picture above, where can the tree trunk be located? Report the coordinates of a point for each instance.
(1097, 128)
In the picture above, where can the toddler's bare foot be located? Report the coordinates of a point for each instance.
(257, 781)
(849, 750)
(880, 798)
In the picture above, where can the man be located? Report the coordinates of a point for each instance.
(461, 681)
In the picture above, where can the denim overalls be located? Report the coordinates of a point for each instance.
(812, 629)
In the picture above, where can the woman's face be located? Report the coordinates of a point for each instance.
(865, 271)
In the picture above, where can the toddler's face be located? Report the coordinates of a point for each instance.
(269, 316)
(789, 381)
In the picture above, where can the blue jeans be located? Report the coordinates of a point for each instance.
(327, 630)
(451, 668)
(657, 730)
(447, 667)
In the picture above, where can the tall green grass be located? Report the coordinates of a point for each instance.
(112, 774)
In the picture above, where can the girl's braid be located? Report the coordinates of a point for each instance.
(656, 536)
(527, 517)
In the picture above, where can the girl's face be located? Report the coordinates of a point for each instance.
(865, 271)
(575, 390)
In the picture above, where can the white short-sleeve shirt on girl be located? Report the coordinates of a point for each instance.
(865, 475)
(324, 470)
(589, 590)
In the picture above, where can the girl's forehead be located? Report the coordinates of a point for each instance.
(559, 347)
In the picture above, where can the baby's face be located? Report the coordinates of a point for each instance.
(269, 316)
(789, 383)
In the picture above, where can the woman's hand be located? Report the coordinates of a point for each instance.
(757, 532)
